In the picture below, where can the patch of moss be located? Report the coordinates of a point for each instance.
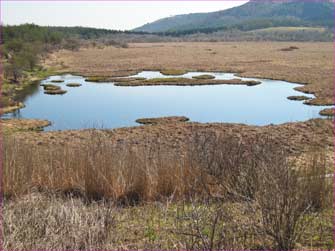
(173, 72)
(205, 76)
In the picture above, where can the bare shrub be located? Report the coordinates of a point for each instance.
(259, 173)
(287, 198)
(214, 225)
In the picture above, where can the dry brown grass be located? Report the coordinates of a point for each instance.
(95, 170)
(73, 196)
(38, 221)
(312, 64)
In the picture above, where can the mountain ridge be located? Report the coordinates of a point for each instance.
(254, 14)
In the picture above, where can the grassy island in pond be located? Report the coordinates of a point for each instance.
(298, 98)
(50, 87)
(162, 120)
(55, 92)
(57, 81)
(73, 85)
(187, 82)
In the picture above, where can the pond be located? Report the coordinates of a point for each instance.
(103, 105)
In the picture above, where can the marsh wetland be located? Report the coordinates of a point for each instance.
(139, 145)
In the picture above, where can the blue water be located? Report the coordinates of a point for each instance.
(104, 105)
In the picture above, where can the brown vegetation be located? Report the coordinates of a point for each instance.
(162, 120)
(312, 64)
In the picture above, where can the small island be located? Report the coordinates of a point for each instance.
(73, 85)
(187, 82)
(162, 120)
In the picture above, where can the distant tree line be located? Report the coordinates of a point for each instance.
(23, 45)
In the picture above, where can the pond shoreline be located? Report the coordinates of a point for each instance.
(130, 80)
(298, 137)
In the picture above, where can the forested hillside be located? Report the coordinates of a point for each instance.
(250, 16)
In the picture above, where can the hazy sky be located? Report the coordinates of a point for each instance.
(102, 14)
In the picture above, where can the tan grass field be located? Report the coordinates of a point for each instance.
(311, 63)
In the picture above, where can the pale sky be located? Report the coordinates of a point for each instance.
(121, 15)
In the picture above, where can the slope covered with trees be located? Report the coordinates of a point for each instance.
(252, 15)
